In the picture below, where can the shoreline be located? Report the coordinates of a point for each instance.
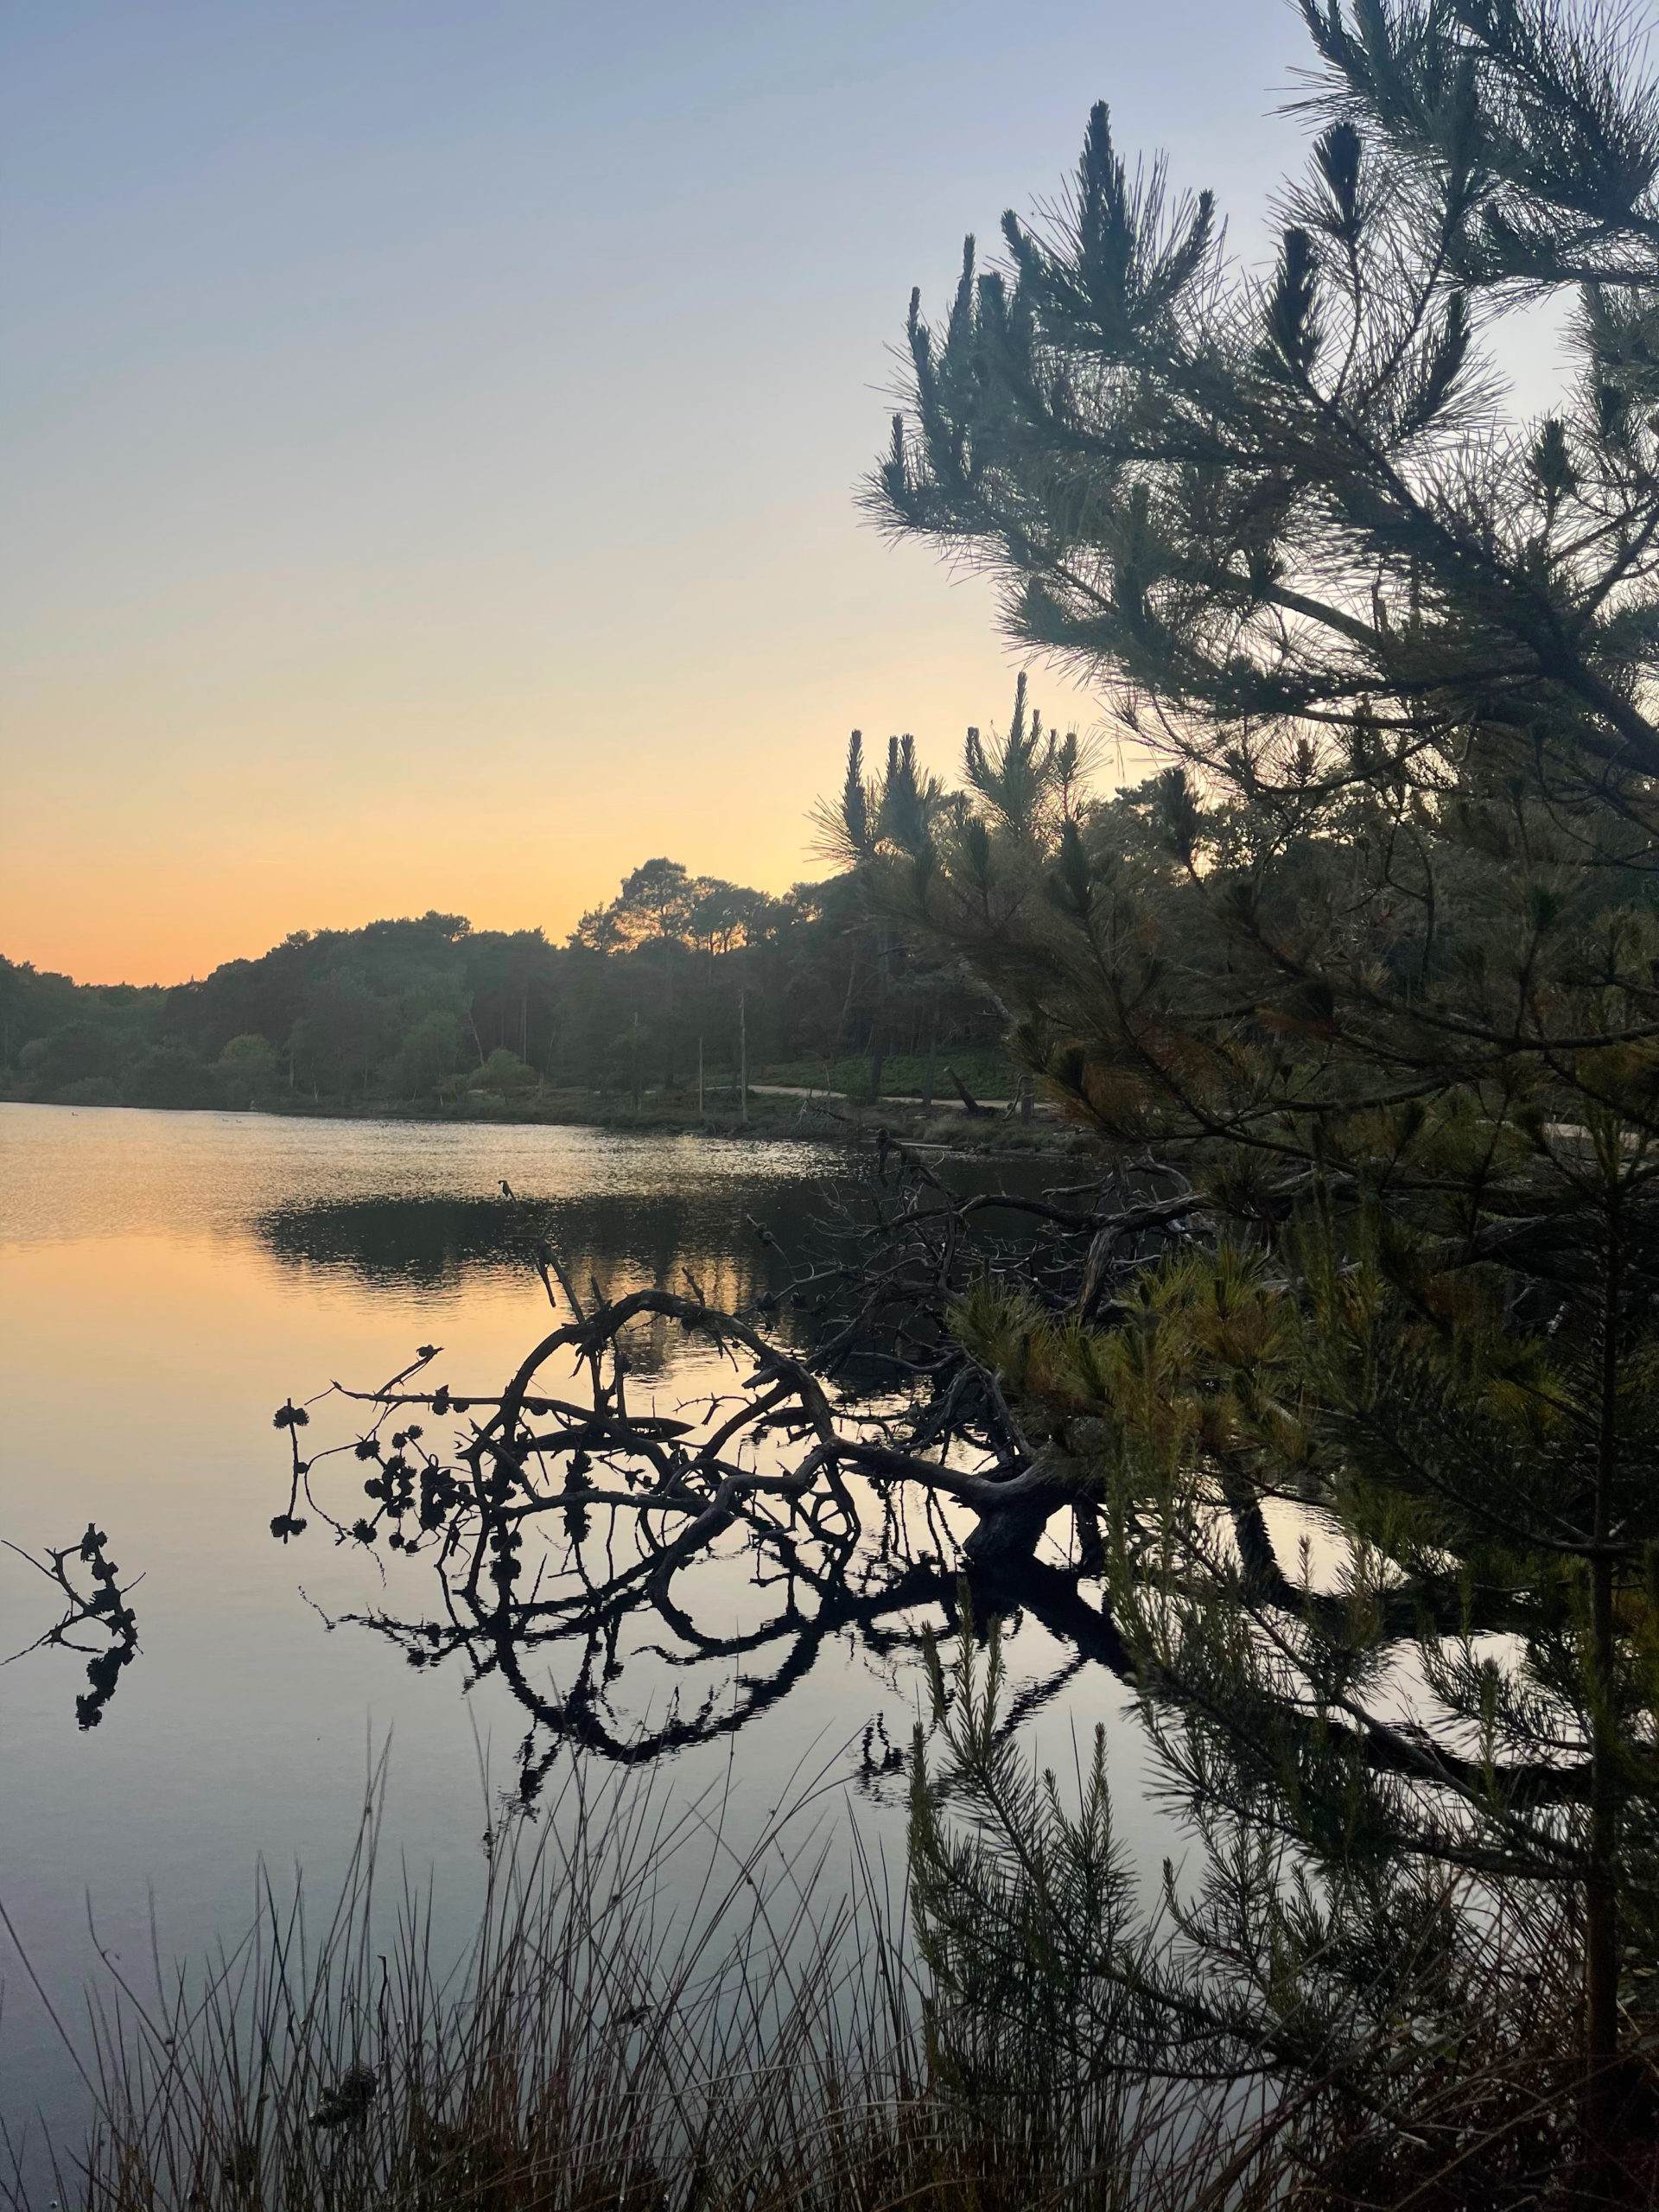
(775, 1116)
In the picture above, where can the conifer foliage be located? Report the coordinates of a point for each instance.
(1374, 955)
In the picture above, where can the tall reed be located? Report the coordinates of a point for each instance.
(650, 2016)
(647, 2015)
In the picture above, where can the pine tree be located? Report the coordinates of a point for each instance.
(1374, 955)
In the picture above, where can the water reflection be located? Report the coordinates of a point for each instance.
(633, 1600)
(434, 1243)
(165, 1279)
(440, 1243)
(731, 1255)
(644, 1578)
(745, 1238)
(371, 1240)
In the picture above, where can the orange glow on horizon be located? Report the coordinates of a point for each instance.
(518, 814)
(433, 438)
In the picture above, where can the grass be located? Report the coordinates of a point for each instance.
(646, 2018)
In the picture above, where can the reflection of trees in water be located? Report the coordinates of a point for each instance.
(577, 1538)
(727, 1245)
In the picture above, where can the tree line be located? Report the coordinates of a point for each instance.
(678, 980)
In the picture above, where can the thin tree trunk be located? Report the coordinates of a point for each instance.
(846, 1008)
(1601, 1894)
(1601, 1886)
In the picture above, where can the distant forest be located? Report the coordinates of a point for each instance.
(433, 1013)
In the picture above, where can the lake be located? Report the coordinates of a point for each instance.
(167, 1281)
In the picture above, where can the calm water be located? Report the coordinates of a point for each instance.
(165, 1281)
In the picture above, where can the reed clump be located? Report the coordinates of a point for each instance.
(649, 2016)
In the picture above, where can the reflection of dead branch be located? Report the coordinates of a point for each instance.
(851, 1483)
(103, 1610)
(837, 1489)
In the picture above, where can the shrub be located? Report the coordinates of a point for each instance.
(503, 1071)
(89, 1090)
(167, 1075)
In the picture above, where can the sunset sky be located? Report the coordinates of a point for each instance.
(430, 431)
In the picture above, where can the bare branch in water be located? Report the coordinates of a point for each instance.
(856, 1478)
(101, 1611)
